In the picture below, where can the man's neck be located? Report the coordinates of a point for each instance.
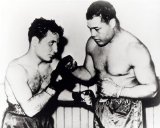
(33, 59)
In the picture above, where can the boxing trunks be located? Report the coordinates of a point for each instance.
(119, 113)
(15, 117)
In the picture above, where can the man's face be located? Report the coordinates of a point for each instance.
(47, 47)
(101, 32)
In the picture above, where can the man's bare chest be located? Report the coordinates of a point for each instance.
(38, 81)
(113, 63)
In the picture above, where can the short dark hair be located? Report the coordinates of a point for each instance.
(103, 9)
(40, 27)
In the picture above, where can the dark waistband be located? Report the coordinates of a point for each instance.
(15, 109)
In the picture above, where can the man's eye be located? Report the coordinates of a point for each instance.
(97, 29)
(51, 43)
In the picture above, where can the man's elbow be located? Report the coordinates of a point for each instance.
(154, 90)
(30, 112)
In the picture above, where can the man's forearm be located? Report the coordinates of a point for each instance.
(139, 91)
(82, 74)
(37, 102)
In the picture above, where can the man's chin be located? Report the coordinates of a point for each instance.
(101, 44)
(49, 60)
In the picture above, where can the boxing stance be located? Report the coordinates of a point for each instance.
(29, 82)
(122, 65)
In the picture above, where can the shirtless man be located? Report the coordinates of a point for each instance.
(28, 77)
(123, 66)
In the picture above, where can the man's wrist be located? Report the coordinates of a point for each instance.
(119, 91)
(50, 91)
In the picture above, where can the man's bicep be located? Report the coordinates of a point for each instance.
(141, 60)
(145, 74)
(89, 65)
(17, 79)
(144, 67)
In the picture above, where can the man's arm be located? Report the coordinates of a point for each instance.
(31, 104)
(84, 72)
(87, 71)
(140, 60)
(144, 72)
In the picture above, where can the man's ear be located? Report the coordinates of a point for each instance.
(112, 23)
(34, 41)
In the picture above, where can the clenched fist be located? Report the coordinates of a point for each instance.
(109, 88)
(63, 71)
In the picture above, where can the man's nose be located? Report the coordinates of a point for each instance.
(93, 33)
(55, 48)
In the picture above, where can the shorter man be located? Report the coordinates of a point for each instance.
(27, 81)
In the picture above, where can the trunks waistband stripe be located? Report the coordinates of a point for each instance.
(16, 109)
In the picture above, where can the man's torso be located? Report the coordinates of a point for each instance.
(37, 79)
(113, 61)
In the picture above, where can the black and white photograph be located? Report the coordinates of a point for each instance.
(79, 63)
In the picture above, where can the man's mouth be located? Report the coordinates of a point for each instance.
(50, 55)
(97, 40)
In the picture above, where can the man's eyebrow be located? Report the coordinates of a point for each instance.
(92, 27)
(53, 41)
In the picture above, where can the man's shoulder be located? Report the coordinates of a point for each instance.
(135, 49)
(91, 44)
(136, 46)
(138, 52)
(14, 63)
(131, 42)
(127, 37)
(15, 67)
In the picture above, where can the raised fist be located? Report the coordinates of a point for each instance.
(64, 69)
(66, 64)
